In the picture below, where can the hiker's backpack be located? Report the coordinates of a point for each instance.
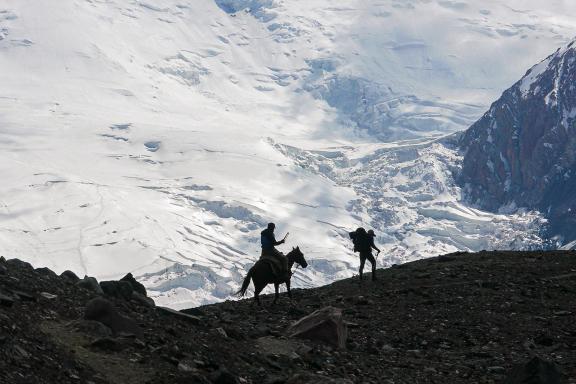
(360, 240)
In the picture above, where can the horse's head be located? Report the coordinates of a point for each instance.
(298, 257)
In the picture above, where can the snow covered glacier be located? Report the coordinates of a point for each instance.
(158, 138)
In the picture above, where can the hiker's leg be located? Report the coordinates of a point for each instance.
(372, 261)
(362, 261)
(276, 295)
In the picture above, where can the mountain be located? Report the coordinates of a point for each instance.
(444, 319)
(159, 137)
(522, 152)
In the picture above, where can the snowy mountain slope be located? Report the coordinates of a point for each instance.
(159, 137)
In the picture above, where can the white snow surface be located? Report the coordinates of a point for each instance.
(159, 137)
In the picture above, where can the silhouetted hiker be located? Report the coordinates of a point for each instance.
(364, 242)
(268, 242)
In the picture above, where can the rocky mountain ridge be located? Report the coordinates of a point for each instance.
(522, 152)
(460, 318)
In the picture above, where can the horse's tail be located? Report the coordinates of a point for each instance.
(245, 284)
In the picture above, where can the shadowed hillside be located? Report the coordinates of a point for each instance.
(459, 318)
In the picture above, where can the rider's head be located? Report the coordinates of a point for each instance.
(271, 226)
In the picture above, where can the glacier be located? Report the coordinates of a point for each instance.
(158, 138)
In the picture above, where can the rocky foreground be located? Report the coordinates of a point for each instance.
(460, 318)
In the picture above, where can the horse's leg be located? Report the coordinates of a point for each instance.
(276, 295)
(288, 288)
(257, 290)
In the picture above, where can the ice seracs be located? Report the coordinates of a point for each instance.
(158, 137)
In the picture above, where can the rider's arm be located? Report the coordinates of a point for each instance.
(276, 242)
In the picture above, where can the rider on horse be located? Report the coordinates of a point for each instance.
(269, 252)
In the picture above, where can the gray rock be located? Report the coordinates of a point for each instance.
(92, 328)
(170, 312)
(108, 344)
(522, 150)
(325, 325)
(6, 301)
(91, 284)
(136, 286)
(70, 276)
(119, 289)
(102, 310)
(144, 300)
(19, 264)
(45, 272)
(535, 371)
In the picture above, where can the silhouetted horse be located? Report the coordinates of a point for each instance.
(262, 275)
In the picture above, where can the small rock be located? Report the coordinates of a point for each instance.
(6, 301)
(562, 313)
(222, 332)
(48, 296)
(24, 296)
(387, 348)
(21, 352)
(361, 300)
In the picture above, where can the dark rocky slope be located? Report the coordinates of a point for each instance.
(522, 152)
(466, 318)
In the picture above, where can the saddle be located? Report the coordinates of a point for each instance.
(278, 266)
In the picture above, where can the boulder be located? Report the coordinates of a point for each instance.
(170, 312)
(119, 289)
(15, 263)
(326, 325)
(535, 371)
(143, 300)
(92, 328)
(70, 276)
(102, 310)
(45, 272)
(91, 284)
(136, 286)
